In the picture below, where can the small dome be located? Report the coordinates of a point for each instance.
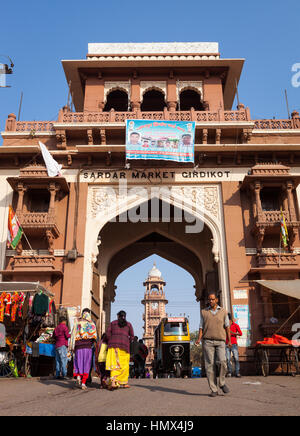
(154, 272)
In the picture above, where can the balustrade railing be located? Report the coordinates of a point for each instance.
(119, 117)
(36, 218)
(34, 126)
(274, 216)
(276, 124)
(112, 116)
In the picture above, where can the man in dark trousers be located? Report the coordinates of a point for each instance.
(235, 331)
(213, 331)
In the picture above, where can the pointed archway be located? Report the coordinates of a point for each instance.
(110, 205)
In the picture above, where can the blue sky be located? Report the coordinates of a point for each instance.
(37, 35)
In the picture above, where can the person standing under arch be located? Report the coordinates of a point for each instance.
(119, 334)
(84, 335)
(213, 331)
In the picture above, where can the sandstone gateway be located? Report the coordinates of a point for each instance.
(84, 226)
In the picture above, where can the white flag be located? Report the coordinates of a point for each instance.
(53, 168)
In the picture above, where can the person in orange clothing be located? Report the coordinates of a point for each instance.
(235, 332)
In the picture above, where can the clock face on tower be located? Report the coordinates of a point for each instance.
(154, 306)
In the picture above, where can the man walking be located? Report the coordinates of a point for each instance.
(214, 330)
(235, 331)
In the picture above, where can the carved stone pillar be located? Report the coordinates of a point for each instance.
(21, 191)
(52, 189)
(135, 106)
(290, 198)
(257, 189)
(218, 136)
(172, 106)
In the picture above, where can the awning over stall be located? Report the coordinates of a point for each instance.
(24, 286)
(291, 288)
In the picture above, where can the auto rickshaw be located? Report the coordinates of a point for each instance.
(172, 348)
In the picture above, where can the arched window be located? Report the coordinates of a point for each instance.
(189, 99)
(117, 100)
(153, 101)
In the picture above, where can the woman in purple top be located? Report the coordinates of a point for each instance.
(120, 335)
(61, 335)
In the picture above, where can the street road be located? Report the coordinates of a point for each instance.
(274, 395)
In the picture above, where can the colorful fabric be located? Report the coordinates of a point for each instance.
(278, 340)
(117, 362)
(120, 337)
(22, 298)
(284, 231)
(103, 353)
(2, 306)
(7, 302)
(84, 330)
(83, 363)
(15, 305)
(15, 231)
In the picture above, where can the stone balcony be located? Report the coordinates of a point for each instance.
(35, 263)
(271, 259)
(38, 222)
(32, 267)
(67, 117)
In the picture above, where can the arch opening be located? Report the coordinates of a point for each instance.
(117, 100)
(190, 98)
(153, 101)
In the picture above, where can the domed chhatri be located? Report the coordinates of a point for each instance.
(154, 272)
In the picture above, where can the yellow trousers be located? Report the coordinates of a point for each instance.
(117, 362)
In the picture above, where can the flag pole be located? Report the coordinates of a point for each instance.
(279, 249)
(24, 234)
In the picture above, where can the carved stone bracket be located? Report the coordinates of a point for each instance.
(61, 140)
(50, 239)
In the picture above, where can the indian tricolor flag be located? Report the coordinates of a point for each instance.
(15, 231)
(284, 231)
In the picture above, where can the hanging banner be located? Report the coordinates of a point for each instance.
(160, 140)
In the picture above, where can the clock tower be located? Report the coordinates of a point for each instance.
(155, 308)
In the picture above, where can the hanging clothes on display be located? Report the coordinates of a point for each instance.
(7, 304)
(14, 306)
(2, 306)
(40, 304)
(20, 305)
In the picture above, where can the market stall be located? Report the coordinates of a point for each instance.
(28, 318)
(279, 351)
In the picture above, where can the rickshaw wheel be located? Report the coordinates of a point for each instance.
(5, 370)
(265, 363)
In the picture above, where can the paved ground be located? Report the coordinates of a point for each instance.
(275, 395)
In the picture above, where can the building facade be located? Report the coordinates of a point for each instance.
(83, 226)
